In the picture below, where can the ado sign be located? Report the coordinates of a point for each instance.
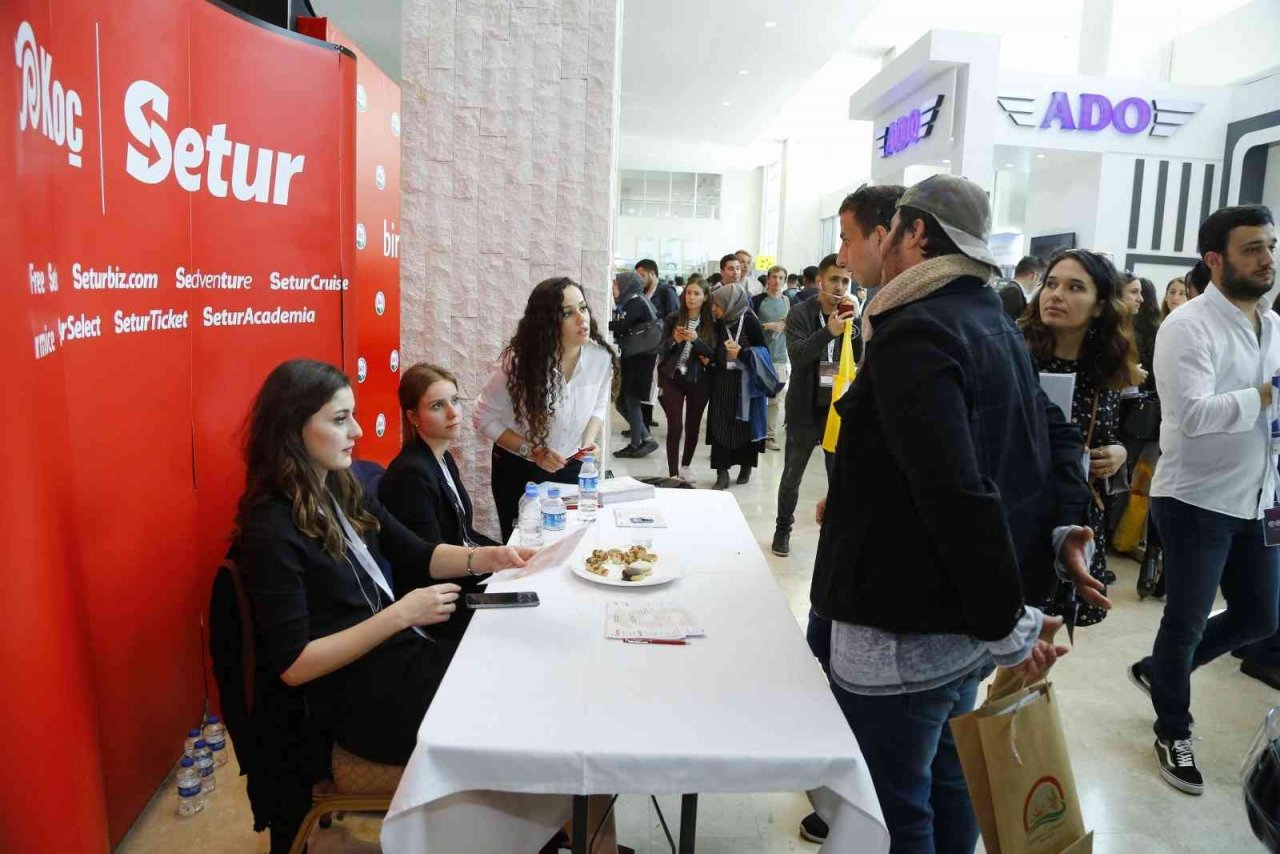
(905, 131)
(1160, 117)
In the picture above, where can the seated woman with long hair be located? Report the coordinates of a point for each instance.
(423, 487)
(310, 545)
(545, 404)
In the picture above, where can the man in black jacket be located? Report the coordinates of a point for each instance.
(955, 483)
(814, 336)
(1026, 279)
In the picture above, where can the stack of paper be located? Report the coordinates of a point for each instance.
(616, 490)
(649, 620)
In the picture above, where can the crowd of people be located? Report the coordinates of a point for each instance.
(973, 513)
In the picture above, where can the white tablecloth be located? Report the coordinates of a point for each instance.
(537, 704)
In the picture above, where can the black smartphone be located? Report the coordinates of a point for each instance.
(477, 601)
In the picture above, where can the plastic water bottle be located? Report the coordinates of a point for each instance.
(215, 735)
(530, 517)
(190, 797)
(554, 514)
(189, 746)
(588, 489)
(204, 764)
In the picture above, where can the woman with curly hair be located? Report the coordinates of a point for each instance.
(1077, 324)
(313, 549)
(547, 401)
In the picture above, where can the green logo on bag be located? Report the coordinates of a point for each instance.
(1045, 806)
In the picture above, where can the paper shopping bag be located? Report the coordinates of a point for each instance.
(1014, 756)
(1134, 521)
(845, 374)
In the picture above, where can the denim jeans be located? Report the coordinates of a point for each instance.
(1265, 652)
(801, 440)
(907, 743)
(631, 408)
(1202, 550)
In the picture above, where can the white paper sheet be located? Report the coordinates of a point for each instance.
(651, 620)
(1060, 388)
(548, 557)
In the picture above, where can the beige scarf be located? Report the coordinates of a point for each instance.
(919, 281)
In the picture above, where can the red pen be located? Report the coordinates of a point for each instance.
(661, 641)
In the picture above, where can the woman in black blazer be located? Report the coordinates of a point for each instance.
(312, 547)
(422, 487)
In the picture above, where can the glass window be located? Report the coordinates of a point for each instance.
(631, 185)
(657, 186)
(685, 195)
(682, 185)
(709, 189)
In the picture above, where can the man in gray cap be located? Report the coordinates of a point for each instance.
(954, 486)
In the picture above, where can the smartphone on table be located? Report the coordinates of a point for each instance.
(479, 601)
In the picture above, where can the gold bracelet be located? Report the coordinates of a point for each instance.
(471, 556)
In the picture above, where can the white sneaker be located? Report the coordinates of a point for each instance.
(686, 473)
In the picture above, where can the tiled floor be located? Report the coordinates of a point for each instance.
(1108, 725)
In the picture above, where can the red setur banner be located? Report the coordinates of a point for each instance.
(376, 288)
(181, 178)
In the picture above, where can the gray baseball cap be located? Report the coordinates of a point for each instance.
(961, 208)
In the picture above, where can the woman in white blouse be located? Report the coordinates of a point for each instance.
(546, 403)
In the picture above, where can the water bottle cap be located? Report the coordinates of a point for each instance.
(213, 719)
(553, 492)
(194, 732)
(530, 489)
(187, 762)
(200, 743)
(588, 459)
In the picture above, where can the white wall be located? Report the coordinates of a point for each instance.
(1228, 49)
(1271, 186)
(737, 228)
(1063, 197)
(814, 169)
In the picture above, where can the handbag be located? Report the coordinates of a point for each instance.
(1118, 482)
(643, 338)
(1142, 420)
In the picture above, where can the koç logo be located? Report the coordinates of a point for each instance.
(47, 106)
(362, 369)
(362, 239)
(362, 98)
(395, 124)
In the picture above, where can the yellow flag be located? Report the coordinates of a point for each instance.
(843, 379)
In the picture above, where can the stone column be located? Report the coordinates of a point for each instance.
(509, 152)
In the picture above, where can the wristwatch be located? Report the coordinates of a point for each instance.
(525, 449)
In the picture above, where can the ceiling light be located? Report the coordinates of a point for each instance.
(1008, 166)
(946, 163)
(769, 25)
(744, 72)
(725, 104)
(1040, 157)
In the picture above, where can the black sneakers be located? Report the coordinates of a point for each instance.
(813, 828)
(1139, 678)
(1177, 762)
(781, 543)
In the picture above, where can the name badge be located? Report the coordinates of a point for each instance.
(827, 374)
(1271, 527)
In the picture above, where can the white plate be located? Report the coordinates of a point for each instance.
(664, 571)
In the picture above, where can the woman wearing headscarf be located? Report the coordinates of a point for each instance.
(737, 329)
(634, 311)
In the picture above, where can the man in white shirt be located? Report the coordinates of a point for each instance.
(1214, 363)
(748, 275)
